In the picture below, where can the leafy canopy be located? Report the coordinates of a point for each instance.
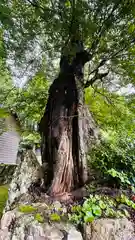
(41, 29)
(37, 31)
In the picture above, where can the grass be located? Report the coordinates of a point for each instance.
(3, 197)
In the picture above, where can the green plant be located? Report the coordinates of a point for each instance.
(27, 209)
(91, 209)
(76, 217)
(90, 205)
(39, 218)
(120, 175)
(115, 163)
(88, 217)
(125, 200)
(55, 217)
(97, 206)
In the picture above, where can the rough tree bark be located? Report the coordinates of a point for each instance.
(67, 128)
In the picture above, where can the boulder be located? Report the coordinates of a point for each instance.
(16, 225)
(19, 226)
(110, 229)
(27, 173)
(21, 223)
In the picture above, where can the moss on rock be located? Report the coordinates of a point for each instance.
(3, 197)
(26, 209)
(39, 218)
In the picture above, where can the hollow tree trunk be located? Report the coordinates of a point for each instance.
(66, 128)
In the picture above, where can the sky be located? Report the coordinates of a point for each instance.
(127, 90)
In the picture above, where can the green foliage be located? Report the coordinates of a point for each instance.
(39, 218)
(54, 217)
(3, 113)
(5, 77)
(114, 158)
(125, 200)
(113, 113)
(3, 197)
(88, 217)
(27, 209)
(29, 103)
(67, 4)
(115, 162)
(107, 31)
(46, 27)
(120, 175)
(106, 28)
(97, 206)
(90, 210)
(75, 218)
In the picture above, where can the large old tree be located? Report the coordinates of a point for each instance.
(97, 34)
(67, 126)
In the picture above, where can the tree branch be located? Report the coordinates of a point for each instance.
(96, 77)
(102, 29)
(108, 100)
(102, 63)
(44, 9)
(35, 4)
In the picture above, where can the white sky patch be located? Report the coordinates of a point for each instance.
(26, 70)
(127, 90)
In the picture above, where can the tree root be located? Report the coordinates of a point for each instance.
(80, 193)
(68, 197)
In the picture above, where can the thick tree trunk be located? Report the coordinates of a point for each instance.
(66, 129)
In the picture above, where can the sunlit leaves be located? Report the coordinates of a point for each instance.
(110, 110)
(99, 24)
(88, 217)
(67, 4)
(3, 113)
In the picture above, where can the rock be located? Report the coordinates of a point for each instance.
(74, 235)
(19, 226)
(16, 225)
(36, 225)
(110, 229)
(7, 219)
(27, 173)
(57, 204)
(6, 223)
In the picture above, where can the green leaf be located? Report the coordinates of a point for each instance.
(87, 206)
(3, 113)
(67, 4)
(109, 212)
(126, 213)
(75, 218)
(54, 217)
(131, 28)
(133, 189)
(133, 205)
(119, 214)
(102, 205)
(112, 172)
(88, 217)
(39, 218)
(128, 202)
(27, 209)
(76, 208)
(96, 210)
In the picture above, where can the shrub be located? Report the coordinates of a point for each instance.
(115, 162)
